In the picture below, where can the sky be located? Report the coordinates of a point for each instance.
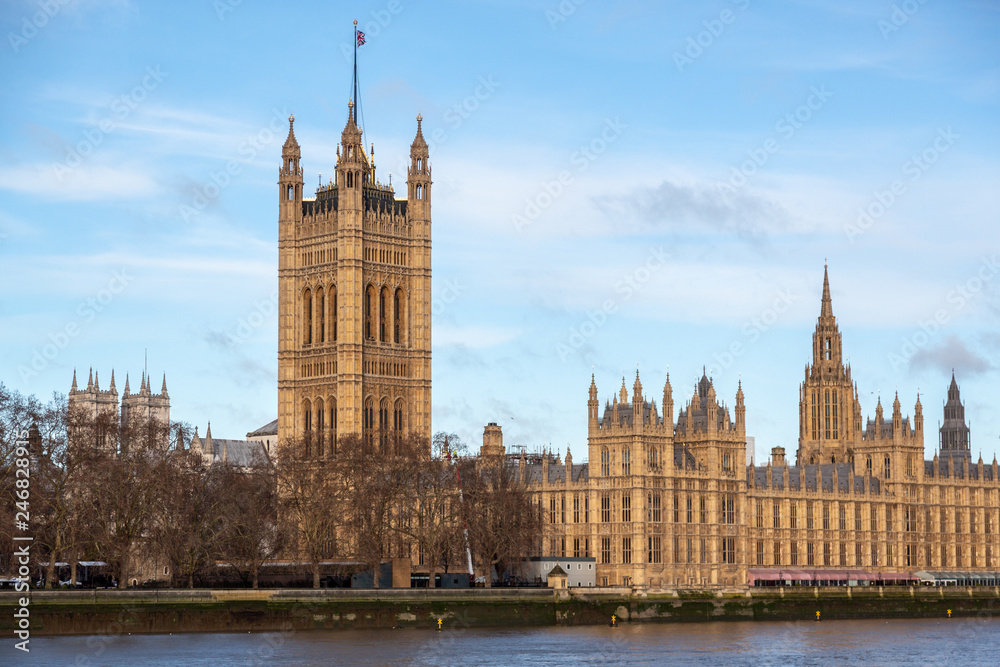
(618, 186)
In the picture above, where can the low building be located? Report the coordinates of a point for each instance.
(579, 572)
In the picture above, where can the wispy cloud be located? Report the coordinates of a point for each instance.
(953, 354)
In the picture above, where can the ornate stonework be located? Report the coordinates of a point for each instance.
(673, 504)
(354, 280)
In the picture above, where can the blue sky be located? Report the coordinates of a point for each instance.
(618, 185)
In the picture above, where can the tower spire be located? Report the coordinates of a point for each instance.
(826, 310)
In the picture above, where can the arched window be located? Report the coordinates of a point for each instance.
(321, 314)
(290, 193)
(626, 461)
(370, 312)
(333, 313)
(333, 424)
(605, 462)
(307, 428)
(320, 435)
(868, 465)
(368, 418)
(383, 413)
(420, 192)
(399, 313)
(397, 415)
(383, 314)
(885, 467)
(420, 164)
(652, 457)
(307, 317)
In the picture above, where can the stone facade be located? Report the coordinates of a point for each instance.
(354, 280)
(100, 405)
(666, 503)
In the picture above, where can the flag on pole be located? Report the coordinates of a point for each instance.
(361, 37)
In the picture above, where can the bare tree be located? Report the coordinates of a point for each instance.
(503, 522)
(380, 473)
(312, 505)
(129, 466)
(433, 522)
(250, 534)
(187, 525)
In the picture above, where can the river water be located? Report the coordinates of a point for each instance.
(953, 642)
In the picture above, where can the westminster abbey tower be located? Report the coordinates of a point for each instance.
(354, 281)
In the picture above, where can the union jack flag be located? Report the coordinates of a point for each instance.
(361, 37)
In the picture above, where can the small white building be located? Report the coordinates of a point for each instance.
(580, 572)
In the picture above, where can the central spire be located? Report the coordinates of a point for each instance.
(826, 310)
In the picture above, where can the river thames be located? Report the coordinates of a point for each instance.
(970, 641)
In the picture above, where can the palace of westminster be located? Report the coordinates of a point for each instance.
(664, 500)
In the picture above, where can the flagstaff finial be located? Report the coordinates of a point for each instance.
(355, 23)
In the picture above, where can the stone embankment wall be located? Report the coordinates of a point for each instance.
(122, 612)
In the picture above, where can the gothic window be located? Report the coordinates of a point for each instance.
(626, 461)
(398, 314)
(368, 418)
(383, 309)
(826, 413)
(828, 351)
(320, 414)
(868, 465)
(626, 508)
(815, 415)
(333, 425)
(605, 462)
(307, 315)
(885, 468)
(420, 192)
(652, 457)
(290, 194)
(383, 413)
(333, 312)
(420, 163)
(397, 415)
(370, 312)
(321, 314)
(833, 412)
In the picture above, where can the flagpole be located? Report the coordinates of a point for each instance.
(355, 71)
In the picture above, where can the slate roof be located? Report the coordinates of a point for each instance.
(270, 428)
(240, 453)
(796, 475)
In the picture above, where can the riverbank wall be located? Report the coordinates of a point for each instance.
(179, 611)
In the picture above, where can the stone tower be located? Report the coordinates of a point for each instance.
(354, 281)
(101, 408)
(145, 405)
(492, 441)
(829, 410)
(954, 432)
(95, 407)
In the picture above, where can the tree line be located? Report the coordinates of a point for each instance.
(131, 494)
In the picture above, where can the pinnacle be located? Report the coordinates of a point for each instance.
(291, 142)
(826, 309)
